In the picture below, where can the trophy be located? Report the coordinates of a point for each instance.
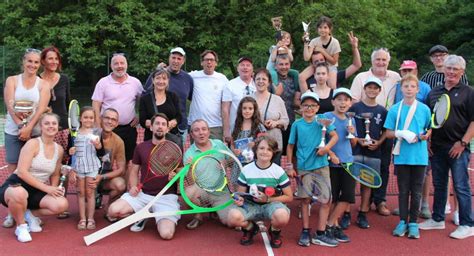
(277, 23)
(25, 109)
(65, 169)
(325, 122)
(306, 32)
(350, 115)
(367, 117)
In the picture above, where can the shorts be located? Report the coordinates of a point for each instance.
(207, 199)
(343, 185)
(307, 183)
(254, 211)
(372, 162)
(90, 174)
(13, 147)
(34, 195)
(168, 202)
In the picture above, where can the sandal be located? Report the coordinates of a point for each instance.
(63, 215)
(81, 225)
(90, 224)
(194, 223)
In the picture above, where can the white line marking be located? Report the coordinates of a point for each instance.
(266, 241)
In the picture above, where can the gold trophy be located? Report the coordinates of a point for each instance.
(367, 117)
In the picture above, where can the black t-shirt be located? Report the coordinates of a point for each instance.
(59, 101)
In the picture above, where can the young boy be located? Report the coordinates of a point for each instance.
(364, 152)
(342, 184)
(306, 133)
(409, 123)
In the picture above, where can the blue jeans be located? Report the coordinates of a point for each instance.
(441, 163)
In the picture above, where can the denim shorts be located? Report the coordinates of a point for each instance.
(254, 211)
(13, 147)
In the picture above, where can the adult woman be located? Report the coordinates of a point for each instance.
(272, 110)
(33, 94)
(60, 96)
(26, 188)
(160, 100)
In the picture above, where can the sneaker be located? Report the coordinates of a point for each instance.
(447, 209)
(432, 224)
(305, 238)
(9, 222)
(247, 237)
(396, 212)
(425, 212)
(138, 226)
(324, 240)
(401, 229)
(345, 220)
(462, 232)
(362, 221)
(22, 233)
(413, 231)
(456, 218)
(34, 223)
(382, 209)
(275, 238)
(339, 235)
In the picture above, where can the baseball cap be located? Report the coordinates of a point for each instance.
(178, 50)
(245, 58)
(341, 90)
(438, 48)
(408, 64)
(373, 80)
(311, 95)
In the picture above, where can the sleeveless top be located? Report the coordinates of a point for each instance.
(41, 167)
(21, 93)
(86, 154)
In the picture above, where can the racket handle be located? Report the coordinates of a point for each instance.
(236, 197)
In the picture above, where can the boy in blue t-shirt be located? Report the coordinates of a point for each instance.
(306, 133)
(409, 123)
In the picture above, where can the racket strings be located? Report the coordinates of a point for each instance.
(440, 110)
(209, 174)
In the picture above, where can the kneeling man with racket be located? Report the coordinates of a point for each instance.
(156, 160)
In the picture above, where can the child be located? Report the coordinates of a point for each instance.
(367, 153)
(342, 184)
(325, 43)
(248, 125)
(265, 174)
(306, 135)
(409, 122)
(319, 85)
(86, 166)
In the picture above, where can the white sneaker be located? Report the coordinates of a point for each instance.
(9, 222)
(456, 218)
(138, 226)
(22, 233)
(34, 223)
(432, 224)
(447, 209)
(462, 232)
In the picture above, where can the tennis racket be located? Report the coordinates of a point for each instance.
(315, 186)
(74, 124)
(218, 162)
(364, 174)
(440, 111)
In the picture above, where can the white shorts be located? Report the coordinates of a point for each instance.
(168, 202)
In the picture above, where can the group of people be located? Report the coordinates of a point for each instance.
(275, 110)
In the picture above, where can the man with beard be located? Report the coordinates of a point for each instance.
(121, 92)
(135, 199)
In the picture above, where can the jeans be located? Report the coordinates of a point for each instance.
(379, 194)
(441, 163)
(410, 184)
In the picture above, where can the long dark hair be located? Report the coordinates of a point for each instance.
(239, 120)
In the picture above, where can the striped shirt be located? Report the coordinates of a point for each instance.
(434, 79)
(273, 176)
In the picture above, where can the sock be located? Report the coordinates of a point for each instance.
(361, 213)
(319, 232)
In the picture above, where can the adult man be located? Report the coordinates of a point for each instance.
(200, 133)
(111, 180)
(410, 67)
(435, 77)
(239, 87)
(134, 200)
(207, 94)
(121, 92)
(450, 147)
(380, 60)
(180, 83)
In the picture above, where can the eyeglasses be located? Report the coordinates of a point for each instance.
(208, 60)
(434, 56)
(28, 50)
(309, 106)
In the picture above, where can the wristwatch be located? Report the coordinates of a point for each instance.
(463, 143)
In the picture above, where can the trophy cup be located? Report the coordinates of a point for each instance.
(367, 117)
(25, 109)
(325, 122)
(65, 169)
(306, 32)
(350, 115)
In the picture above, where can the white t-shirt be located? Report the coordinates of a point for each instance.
(207, 97)
(333, 47)
(234, 92)
(387, 93)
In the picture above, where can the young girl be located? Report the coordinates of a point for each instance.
(86, 166)
(409, 123)
(265, 174)
(248, 126)
(318, 84)
(283, 45)
(325, 43)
